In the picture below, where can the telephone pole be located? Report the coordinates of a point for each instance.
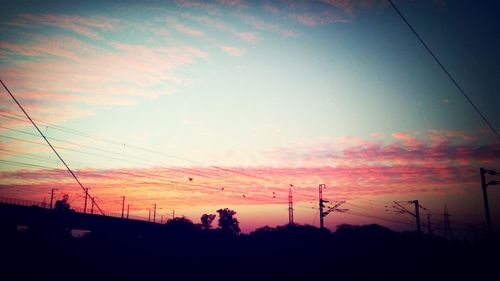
(483, 172)
(290, 205)
(128, 209)
(149, 215)
(52, 196)
(85, 205)
(123, 206)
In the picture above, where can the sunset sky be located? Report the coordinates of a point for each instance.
(199, 105)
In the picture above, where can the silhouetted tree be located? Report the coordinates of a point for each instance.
(62, 205)
(227, 222)
(206, 220)
(181, 224)
(179, 221)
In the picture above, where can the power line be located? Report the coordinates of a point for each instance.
(445, 70)
(99, 138)
(143, 161)
(256, 197)
(53, 149)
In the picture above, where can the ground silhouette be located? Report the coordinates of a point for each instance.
(183, 250)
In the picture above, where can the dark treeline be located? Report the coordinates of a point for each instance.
(182, 250)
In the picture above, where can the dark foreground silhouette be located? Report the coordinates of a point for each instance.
(181, 250)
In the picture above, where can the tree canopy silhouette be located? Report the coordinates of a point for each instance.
(206, 220)
(62, 205)
(227, 221)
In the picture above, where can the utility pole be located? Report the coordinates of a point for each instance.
(429, 230)
(173, 214)
(447, 225)
(123, 206)
(85, 205)
(128, 209)
(402, 209)
(52, 196)
(417, 216)
(321, 205)
(290, 205)
(334, 208)
(483, 172)
(154, 213)
(161, 220)
(149, 215)
(92, 208)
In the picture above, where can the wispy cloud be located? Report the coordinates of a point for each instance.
(266, 26)
(364, 168)
(234, 51)
(247, 36)
(251, 37)
(325, 17)
(183, 28)
(435, 147)
(60, 71)
(267, 6)
(87, 26)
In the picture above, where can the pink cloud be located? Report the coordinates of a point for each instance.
(80, 25)
(183, 28)
(188, 30)
(248, 36)
(270, 8)
(271, 27)
(346, 6)
(64, 72)
(251, 37)
(233, 3)
(330, 11)
(446, 136)
(360, 169)
(234, 51)
(202, 5)
(349, 6)
(408, 139)
(325, 17)
(56, 46)
(377, 136)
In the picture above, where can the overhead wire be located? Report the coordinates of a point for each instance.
(43, 136)
(495, 132)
